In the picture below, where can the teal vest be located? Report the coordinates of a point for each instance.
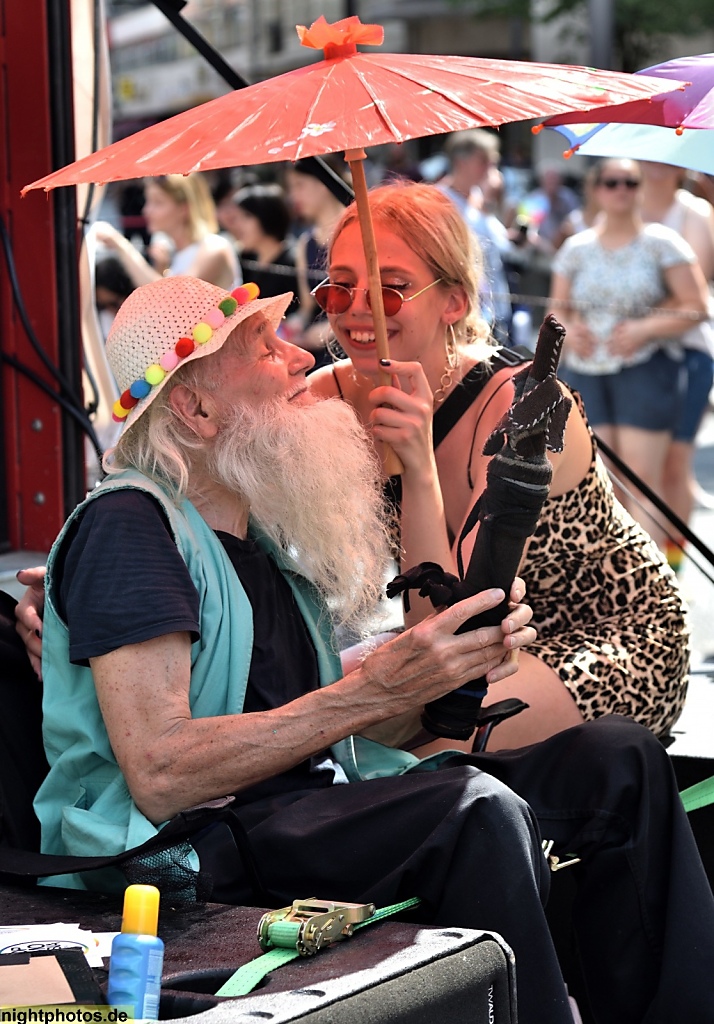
(84, 805)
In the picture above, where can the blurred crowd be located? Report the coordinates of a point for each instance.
(545, 241)
(278, 218)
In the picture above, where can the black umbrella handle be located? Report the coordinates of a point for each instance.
(503, 532)
(524, 471)
(504, 527)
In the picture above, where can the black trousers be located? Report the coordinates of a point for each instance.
(467, 840)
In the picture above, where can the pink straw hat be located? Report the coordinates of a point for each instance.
(166, 324)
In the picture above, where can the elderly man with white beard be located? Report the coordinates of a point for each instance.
(189, 653)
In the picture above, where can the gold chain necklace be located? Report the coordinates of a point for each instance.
(444, 385)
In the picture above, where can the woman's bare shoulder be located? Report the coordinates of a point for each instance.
(496, 396)
(325, 383)
(215, 243)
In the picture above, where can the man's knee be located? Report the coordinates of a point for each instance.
(621, 736)
(493, 796)
(617, 755)
(494, 809)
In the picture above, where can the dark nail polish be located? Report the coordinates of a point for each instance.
(385, 362)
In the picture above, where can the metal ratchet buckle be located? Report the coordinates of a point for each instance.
(556, 864)
(319, 924)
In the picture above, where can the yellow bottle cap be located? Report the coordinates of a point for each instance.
(141, 910)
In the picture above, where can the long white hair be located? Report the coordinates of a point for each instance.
(308, 474)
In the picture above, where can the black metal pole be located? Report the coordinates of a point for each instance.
(66, 247)
(601, 18)
(171, 9)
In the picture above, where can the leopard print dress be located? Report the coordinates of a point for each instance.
(610, 618)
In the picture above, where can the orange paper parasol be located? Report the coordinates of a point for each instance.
(345, 102)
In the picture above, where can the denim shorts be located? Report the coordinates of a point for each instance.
(700, 377)
(649, 396)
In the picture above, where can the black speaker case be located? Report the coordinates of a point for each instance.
(391, 973)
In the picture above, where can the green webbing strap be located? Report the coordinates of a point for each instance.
(395, 908)
(247, 977)
(699, 795)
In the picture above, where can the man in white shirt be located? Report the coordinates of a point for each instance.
(472, 155)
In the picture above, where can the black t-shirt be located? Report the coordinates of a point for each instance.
(120, 579)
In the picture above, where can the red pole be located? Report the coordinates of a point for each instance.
(32, 499)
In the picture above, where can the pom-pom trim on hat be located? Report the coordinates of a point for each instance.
(199, 336)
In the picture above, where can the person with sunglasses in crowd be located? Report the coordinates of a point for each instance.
(627, 292)
(612, 629)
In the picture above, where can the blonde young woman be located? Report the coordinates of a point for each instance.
(182, 208)
(612, 631)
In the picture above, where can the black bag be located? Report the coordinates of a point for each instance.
(23, 764)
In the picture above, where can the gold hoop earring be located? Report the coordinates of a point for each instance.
(452, 362)
(452, 350)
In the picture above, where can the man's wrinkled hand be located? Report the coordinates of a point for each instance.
(28, 614)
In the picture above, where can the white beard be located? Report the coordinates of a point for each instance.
(312, 482)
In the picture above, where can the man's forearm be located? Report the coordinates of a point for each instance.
(189, 760)
(172, 760)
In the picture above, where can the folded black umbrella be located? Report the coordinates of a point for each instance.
(517, 485)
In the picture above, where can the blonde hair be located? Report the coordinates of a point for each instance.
(432, 226)
(193, 191)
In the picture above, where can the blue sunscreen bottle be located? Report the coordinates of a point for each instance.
(137, 955)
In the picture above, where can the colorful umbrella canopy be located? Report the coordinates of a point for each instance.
(693, 150)
(347, 101)
(692, 107)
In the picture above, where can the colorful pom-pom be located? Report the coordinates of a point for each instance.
(127, 400)
(214, 318)
(154, 374)
(169, 361)
(139, 389)
(202, 333)
(184, 347)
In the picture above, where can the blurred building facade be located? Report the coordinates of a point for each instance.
(156, 73)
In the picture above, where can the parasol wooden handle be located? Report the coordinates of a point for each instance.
(355, 157)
